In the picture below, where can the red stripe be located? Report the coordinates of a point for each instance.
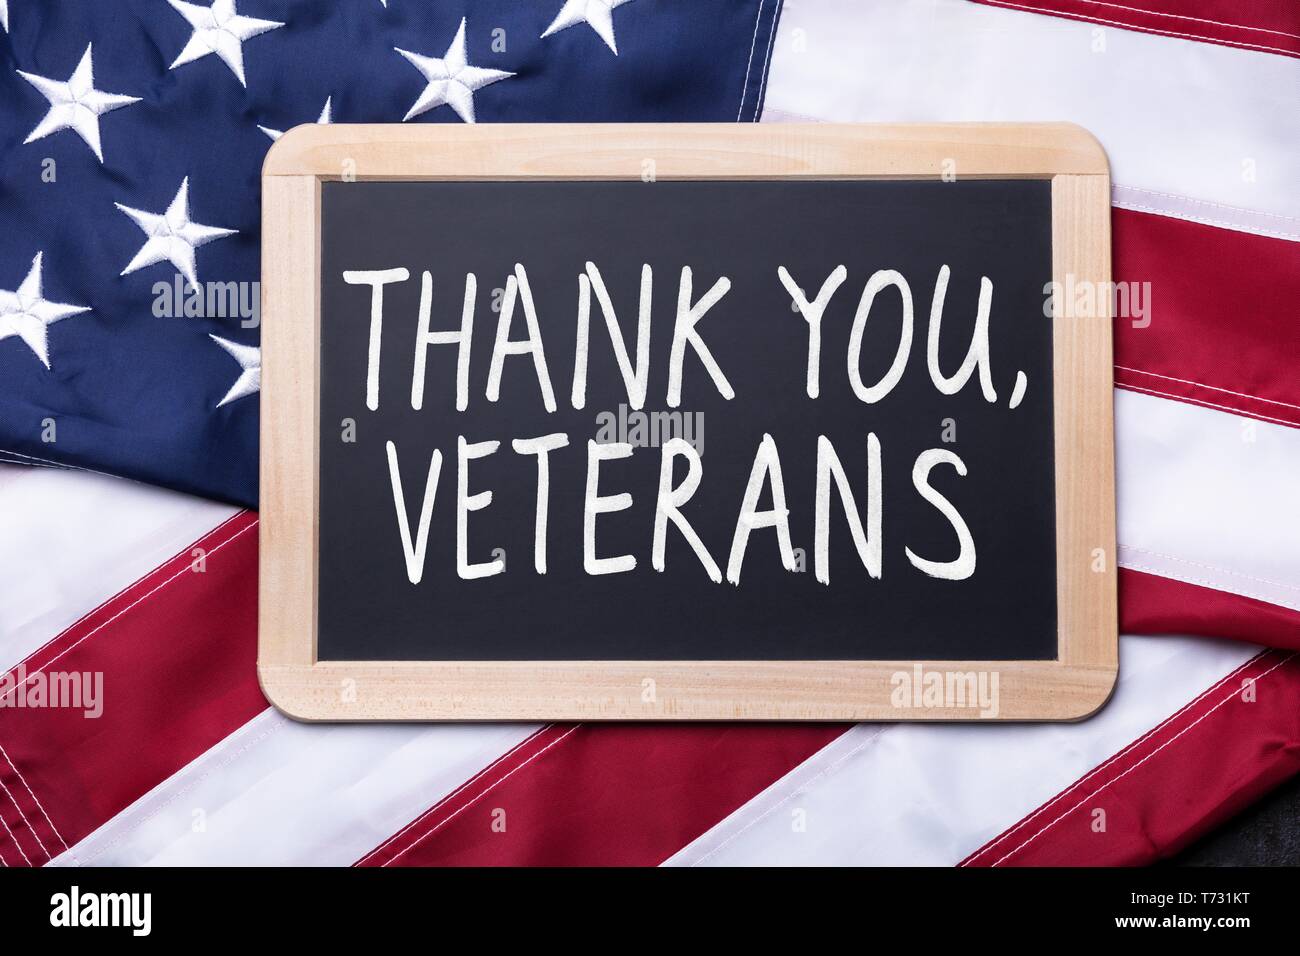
(1268, 26)
(612, 794)
(1223, 330)
(177, 651)
(1150, 604)
(1227, 748)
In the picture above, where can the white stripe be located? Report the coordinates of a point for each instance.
(70, 540)
(1208, 498)
(278, 792)
(1177, 117)
(931, 794)
(1206, 213)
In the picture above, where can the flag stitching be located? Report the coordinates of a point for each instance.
(458, 790)
(470, 803)
(1204, 202)
(744, 90)
(138, 600)
(767, 60)
(1192, 579)
(32, 464)
(1187, 381)
(1121, 776)
(1179, 16)
(14, 838)
(1131, 26)
(1110, 760)
(39, 841)
(49, 463)
(103, 604)
(39, 805)
(1205, 404)
(799, 791)
(126, 832)
(1205, 220)
(68, 649)
(1210, 567)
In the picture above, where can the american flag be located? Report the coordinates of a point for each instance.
(131, 138)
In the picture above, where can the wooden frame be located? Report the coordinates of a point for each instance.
(1071, 687)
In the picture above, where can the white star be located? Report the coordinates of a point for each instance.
(221, 30)
(599, 14)
(75, 104)
(323, 121)
(452, 81)
(4, 15)
(26, 313)
(249, 358)
(173, 236)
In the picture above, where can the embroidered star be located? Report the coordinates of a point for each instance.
(4, 15)
(249, 358)
(172, 235)
(323, 121)
(221, 30)
(27, 314)
(452, 81)
(75, 104)
(598, 14)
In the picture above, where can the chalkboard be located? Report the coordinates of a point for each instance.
(706, 442)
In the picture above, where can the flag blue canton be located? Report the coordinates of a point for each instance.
(132, 135)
